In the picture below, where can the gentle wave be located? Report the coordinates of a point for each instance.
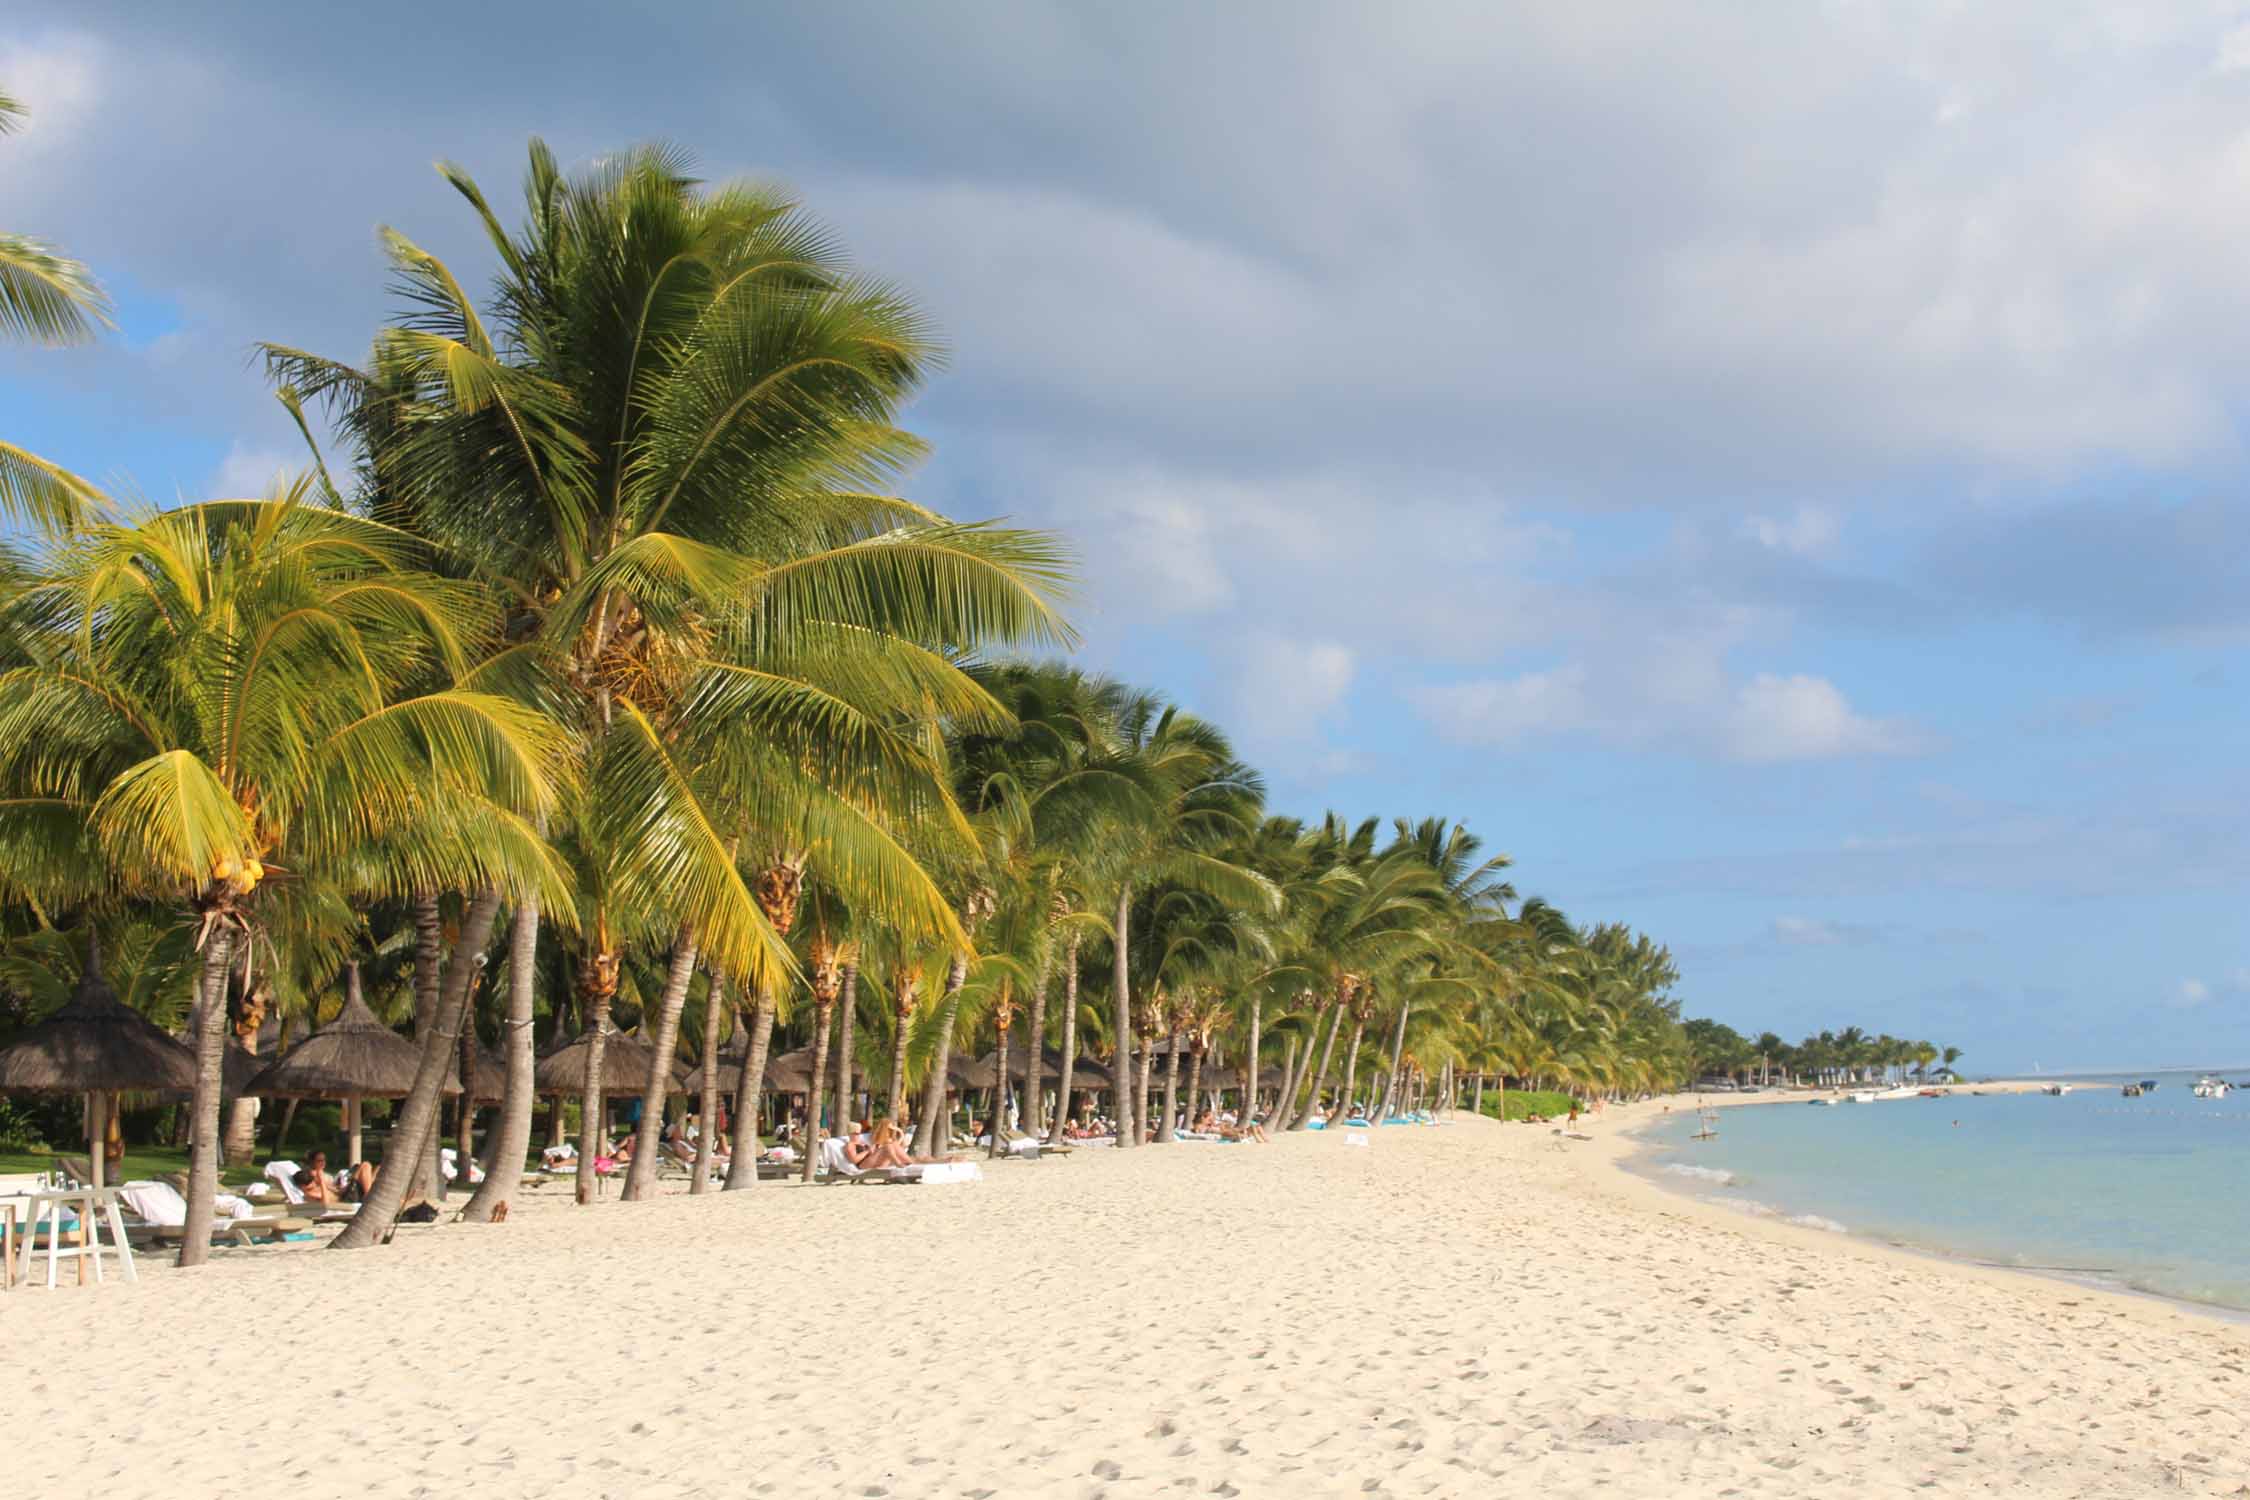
(1765, 1210)
(1703, 1174)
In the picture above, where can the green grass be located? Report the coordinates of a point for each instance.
(140, 1161)
(1524, 1103)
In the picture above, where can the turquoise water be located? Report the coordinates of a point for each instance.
(2151, 1194)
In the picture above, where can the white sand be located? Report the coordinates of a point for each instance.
(1455, 1311)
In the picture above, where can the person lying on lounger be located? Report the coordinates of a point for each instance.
(344, 1187)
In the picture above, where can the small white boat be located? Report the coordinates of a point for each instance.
(2212, 1088)
(2056, 1089)
(1864, 1096)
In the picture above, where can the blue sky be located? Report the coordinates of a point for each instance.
(1774, 470)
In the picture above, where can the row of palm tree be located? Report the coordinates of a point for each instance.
(1851, 1055)
(593, 672)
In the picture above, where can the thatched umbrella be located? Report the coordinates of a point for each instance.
(98, 1046)
(791, 1072)
(627, 1066)
(1084, 1073)
(730, 1066)
(488, 1081)
(353, 1058)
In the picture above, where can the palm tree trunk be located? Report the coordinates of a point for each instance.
(1195, 1085)
(1069, 1043)
(707, 1104)
(1122, 1062)
(1249, 1113)
(429, 958)
(465, 1121)
(1000, 1096)
(846, 1003)
(897, 1095)
(1478, 1107)
(416, 1130)
(1034, 1095)
(932, 1132)
(1398, 1050)
(1351, 1068)
(1285, 1098)
(648, 1141)
(241, 1140)
(749, 1091)
(210, 1066)
(824, 1016)
(1165, 1130)
(1320, 1075)
(590, 1105)
(1140, 1095)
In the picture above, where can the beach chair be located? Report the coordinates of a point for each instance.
(834, 1166)
(283, 1174)
(160, 1217)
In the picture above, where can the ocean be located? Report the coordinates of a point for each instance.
(2149, 1194)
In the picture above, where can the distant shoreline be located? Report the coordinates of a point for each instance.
(1631, 1145)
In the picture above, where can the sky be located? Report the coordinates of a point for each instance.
(1774, 470)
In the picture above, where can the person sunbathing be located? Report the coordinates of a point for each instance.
(344, 1187)
(885, 1148)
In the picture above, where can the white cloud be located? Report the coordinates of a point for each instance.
(2192, 992)
(1809, 531)
(252, 471)
(1509, 710)
(1815, 932)
(1692, 706)
(58, 80)
(1279, 688)
(1806, 718)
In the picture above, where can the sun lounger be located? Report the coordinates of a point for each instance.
(283, 1174)
(160, 1216)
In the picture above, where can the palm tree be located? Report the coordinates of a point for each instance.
(1189, 797)
(237, 687)
(46, 298)
(660, 444)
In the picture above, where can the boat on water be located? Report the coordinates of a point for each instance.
(2148, 1085)
(2132, 1091)
(2212, 1088)
(2056, 1089)
(1932, 1094)
(1825, 1100)
(1863, 1096)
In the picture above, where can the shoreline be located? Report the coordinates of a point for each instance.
(1632, 1145)
(1464, 1309)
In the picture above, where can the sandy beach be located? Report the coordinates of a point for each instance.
(1465, 1310)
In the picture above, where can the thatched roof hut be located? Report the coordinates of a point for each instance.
(627, 1063)
(1084, 1074)
(489, 1079)
(355, 1056)
(95, 1044)
(791, 1072)
(730, 1067)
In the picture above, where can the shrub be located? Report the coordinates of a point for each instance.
(32, 1124)
(1522, 1104)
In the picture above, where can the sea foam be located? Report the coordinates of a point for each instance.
(1702, 1174)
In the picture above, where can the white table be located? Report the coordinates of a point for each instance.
(92, 1205)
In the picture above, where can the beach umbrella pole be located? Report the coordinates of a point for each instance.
(97, 1131)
